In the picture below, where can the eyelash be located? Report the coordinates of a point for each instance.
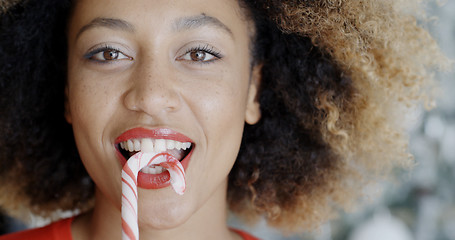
(205, 48)
(89, 55)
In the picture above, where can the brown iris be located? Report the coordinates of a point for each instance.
(197, 55)
(110, 55)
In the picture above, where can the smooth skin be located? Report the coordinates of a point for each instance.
(177, 64)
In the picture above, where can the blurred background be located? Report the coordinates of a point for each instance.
(421, 205)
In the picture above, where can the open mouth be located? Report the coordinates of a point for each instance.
(177, 149)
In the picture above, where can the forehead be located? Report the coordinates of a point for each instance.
(170, 14)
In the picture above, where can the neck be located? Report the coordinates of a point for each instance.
(207, 222)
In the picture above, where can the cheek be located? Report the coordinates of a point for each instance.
(84, 121)
(223, 105)
(90, 113)
(88, 102)
(223, 118)
(82, 103)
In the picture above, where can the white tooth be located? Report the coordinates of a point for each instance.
(149, 170)
(146, 170)
(170, 144)
(159, 169)
(130, 145)
(187, 145)
(178, 145)
(122, 145)
(160, 145)
(153, 170)
(137, 145)
(147, 145)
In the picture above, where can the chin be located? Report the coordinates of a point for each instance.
(164, 216)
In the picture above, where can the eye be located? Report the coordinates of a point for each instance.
(106, 54)
(200, 54)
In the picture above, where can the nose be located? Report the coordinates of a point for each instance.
(152, 90)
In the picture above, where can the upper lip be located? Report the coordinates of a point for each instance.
(156, 133)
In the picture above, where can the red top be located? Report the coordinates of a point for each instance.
(244, 235)
(61, 230)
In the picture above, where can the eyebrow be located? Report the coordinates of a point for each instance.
(181, 24)
(193, 22)
(112, 23)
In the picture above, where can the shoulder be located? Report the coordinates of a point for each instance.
(60, 230)
(244, 235)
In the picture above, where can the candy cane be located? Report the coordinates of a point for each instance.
(130, 228)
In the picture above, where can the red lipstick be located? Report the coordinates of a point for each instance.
(153, 181)
(157, 133)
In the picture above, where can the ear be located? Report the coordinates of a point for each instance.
(67, 107)
(253, 110)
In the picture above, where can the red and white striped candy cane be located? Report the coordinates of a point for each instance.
(130, 228)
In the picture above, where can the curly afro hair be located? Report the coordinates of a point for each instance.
(337, 78)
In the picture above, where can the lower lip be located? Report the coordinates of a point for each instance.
(155, 181)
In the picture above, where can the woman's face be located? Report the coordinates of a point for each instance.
(176, 70)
